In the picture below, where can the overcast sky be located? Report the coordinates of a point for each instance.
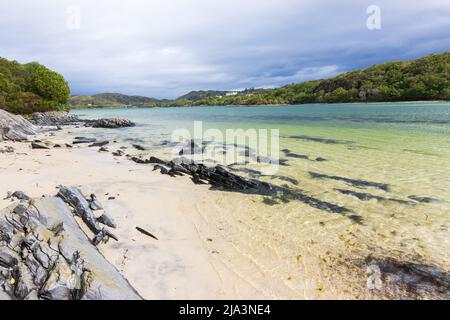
(165, 48)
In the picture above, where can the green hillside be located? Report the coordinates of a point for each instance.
(26, 88)
(110, 100)
(424, 79)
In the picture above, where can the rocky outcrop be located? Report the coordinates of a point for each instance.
(59, 118)
(110, 123)
(221, 178)
(44, 254)
(14, 127)
(54, 118)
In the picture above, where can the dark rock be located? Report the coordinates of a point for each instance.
(107, 221)
(408, 280)
(146, 233)
(99, 144)
(251, 172)
(118, 153)
(74, 197)
(138, 147)
(288, 179)
(94, 204)
(321, 140)
(20, 209)
(79, 140)
(424, 199)
(103, 149)
(197, 180)
(64, 267)
(54, 118)
(156, 160)
(191, 148)
(270, 201)
(20, 195)
(366, 197)
(353, 182)
(35, 145)
(7, 149)
(290, 154)
(6, 259)
(110, 123)
(139, 160)
(320, 159)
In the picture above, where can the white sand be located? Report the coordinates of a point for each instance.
(180, 265)
(212, 245)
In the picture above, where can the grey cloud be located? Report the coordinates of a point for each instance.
(165, 48)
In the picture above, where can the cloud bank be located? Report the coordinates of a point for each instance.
(166, 48)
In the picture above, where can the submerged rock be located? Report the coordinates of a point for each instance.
(321, 140)
(407, 280)
(220, 178)
(353, 182)
(367, 196)
(191, 148)
(424, 199)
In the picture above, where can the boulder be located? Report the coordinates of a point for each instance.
(54, 118)
(44, 254)
(15, 127)
(110, 123)
(79, 140)
(35, 145)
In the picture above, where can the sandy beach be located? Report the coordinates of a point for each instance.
(181, 264)
(217, 244)
(212, 244)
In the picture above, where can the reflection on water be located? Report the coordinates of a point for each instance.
(388, 164)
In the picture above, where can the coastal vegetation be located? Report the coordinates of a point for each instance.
(424, 79)
(110, 100)
(31, 87)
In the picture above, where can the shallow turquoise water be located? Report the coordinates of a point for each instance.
(405, 146)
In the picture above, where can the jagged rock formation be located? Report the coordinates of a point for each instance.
(44, 254)
(59, 118)
(14, 127)
(54, 118)
(112, 123)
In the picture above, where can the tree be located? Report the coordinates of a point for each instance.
(47, 84)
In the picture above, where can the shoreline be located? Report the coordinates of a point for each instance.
(180, 264)
(212, 244)
(204, 250)
(270, 105)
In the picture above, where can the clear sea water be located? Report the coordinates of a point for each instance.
(404, 146)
